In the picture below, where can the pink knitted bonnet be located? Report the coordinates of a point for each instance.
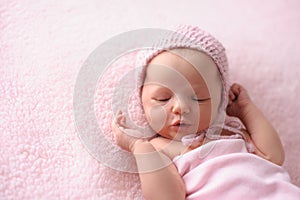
(184, 36)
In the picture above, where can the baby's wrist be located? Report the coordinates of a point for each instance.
(247, 112)
(142, 146)
(135, 144)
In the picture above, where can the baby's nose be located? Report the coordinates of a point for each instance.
(181, 106)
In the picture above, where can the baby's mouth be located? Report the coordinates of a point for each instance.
(181, 124)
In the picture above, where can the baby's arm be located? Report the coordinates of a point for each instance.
(159, 176)
(262, 133)
(163, 180)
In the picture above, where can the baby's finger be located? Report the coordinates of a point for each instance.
(114, 125)
(236, 89)
(123, 120)
(120, 120)
(231, 95)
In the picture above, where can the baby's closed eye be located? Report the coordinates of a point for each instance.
(162, 99)
(200, 99)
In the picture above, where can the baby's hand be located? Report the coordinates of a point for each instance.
(125, 141)
(238, 101)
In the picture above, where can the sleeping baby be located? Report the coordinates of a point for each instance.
(212, 141)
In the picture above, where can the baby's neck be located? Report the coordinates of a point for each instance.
(174, 148)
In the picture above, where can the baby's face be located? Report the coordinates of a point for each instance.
(181, 97)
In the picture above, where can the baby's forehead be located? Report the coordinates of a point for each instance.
(184, 66)
(202, 62)
(186, 52)
(183, 60)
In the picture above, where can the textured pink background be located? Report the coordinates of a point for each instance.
(44, 43)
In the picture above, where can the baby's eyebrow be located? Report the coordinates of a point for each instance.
(157, 86)
(200, 86)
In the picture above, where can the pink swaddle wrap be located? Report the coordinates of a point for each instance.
(223, 169)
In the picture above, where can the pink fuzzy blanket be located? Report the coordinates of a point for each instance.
(43, 45)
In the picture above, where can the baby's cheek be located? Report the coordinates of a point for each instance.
(157, 117)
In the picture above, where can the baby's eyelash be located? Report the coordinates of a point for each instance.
(201, 99)
(193, 98)
(163, 99)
